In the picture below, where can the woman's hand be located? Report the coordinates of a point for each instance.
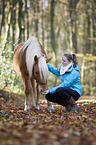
(45, 92)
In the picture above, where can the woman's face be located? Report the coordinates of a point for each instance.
(65, 61)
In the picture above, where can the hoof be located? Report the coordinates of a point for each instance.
(74, 109)
(51, 108)
(27, 108)
(37, 108)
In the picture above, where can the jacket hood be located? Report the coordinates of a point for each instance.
(76, 68)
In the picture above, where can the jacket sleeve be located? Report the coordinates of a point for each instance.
(66, 83)
(55, 71)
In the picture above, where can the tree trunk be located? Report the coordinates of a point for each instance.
(3, 17)
(7, 31)
(26, 9)
(94, 27)
(20, 20)
(73, 29)
(42, 26)
(13, 17)
(53, 34)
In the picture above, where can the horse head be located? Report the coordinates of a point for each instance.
(40, 72)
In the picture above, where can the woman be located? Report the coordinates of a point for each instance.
(70, 90)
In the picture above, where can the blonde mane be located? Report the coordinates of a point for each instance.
(43, 69)
(33, 48)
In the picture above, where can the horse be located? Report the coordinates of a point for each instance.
(30, 62)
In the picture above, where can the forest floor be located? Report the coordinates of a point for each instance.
(42, 127)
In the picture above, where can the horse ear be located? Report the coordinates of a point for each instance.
(36, 59)
(48, 59)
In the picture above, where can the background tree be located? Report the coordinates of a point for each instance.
(63, 25)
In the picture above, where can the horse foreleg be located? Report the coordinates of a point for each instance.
(33, 97)
(50, 107)
(38, 98)
(28, 91)
(27, 108)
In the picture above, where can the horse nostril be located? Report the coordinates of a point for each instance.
(41, 90)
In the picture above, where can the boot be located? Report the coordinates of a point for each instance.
(66, 105)
(68, 108)
(73, 104)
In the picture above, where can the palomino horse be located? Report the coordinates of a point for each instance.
(29, 61)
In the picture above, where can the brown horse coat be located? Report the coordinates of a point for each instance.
(27, 60)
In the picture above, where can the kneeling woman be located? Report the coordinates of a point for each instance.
(70, 90)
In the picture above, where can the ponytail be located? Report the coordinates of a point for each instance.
(71, 57)
(74, 58)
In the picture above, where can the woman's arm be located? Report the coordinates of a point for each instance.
(66, 83)
(55, 71)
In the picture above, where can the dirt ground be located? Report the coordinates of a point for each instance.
(41, 127)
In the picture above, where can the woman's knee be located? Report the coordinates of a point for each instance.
(58, 91)
(48, 96)
(62, 93)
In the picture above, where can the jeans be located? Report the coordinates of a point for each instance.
(62, 94)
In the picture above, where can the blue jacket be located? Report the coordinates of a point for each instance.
(70, 79)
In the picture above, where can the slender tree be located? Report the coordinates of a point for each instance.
(88, 29)
(94, 26)
(20, 19)
(53, 40)
(27, 18)
(42, 25)
(73, 19)
(8, 24)
(13, 18)
(3, 16)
